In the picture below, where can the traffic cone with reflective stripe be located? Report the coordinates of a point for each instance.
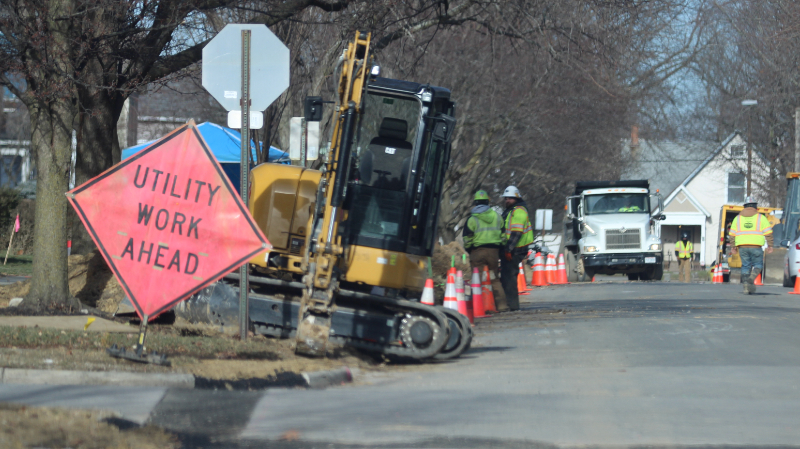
(796, 285)
(522, 288)
(718, 279)
(488, 294)
(550, 269)
(539, 279)
(450, 300)
(561, 273)
(478, 310)
(460, 297)
(427, 293)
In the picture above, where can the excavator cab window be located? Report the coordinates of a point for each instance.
(378, 191)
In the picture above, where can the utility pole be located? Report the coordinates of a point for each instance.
(797, 140)
(749, 145)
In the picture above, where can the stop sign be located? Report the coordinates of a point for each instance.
(222, 67)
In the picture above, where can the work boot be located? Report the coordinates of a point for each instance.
(751, 286)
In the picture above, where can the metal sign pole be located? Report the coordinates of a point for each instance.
(245, 170)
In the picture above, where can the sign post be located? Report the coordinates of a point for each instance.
(229, 52)
(244, 286)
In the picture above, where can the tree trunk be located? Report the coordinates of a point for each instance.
(51, 125)
(97, 150)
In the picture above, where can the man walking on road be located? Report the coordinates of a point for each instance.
(483, 237)
(684, 250)
(749, 232)
(517, 235)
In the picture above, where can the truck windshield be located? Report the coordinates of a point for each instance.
(617, 203)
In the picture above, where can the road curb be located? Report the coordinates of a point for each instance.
(118, 378)
(323, 379)
(314, 379)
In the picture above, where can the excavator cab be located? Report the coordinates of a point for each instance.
(352, 240)
(399, 164)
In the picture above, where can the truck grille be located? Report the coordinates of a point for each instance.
(623, 239)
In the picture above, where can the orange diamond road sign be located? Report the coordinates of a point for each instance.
(168, 221)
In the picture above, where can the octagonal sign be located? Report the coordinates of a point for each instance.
(168, 221)
(222, 67)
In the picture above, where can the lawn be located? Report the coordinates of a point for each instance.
(17, 266)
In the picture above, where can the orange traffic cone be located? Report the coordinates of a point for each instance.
(427, 293)
(450, 300)
(718, 279)
(488, 294)
(561, 273)
(758, 280)
(461, 300)
(477, 295)
(550, 269)
(796, 285)
(539, 279)
(521, 287)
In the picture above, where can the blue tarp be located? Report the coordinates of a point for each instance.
(225, 143)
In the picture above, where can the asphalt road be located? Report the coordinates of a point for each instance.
(602, 365)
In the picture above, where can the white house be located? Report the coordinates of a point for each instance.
(697, 180)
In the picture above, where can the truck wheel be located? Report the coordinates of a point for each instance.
(633, 276)
(658, 273)
(571, 262)
(583, 275)
(788, 281)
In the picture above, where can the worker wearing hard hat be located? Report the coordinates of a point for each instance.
(684, 250)
(483, 237)
(750, 231)
(517, 235)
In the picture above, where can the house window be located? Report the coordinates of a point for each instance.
(10, 170)
(736, 187)
(737, 151)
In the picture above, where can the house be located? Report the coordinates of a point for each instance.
(696, 180)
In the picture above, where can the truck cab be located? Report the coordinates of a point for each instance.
(609, 229)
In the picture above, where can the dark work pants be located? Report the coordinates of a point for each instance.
(509, 270)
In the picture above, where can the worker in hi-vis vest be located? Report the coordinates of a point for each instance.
(683, 250)
(517, 235)
(483, 238)
(750, 231)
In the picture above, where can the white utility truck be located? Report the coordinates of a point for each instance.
(609, 228)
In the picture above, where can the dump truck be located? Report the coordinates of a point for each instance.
(352, 240)
(609, 229)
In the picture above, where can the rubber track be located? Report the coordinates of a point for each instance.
(403, 351)
(466, 335)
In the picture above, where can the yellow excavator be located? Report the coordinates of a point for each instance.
(352, 240)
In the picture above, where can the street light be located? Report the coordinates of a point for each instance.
(746, 103)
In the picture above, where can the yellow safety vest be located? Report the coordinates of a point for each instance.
(684, 251)
(517, 221)
(750, 230)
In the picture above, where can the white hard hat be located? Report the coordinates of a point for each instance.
(511, 192)
(750, 200)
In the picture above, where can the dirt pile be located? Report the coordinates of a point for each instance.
(90, 280)
(443, 256)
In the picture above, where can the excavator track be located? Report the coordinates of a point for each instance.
(460, 335)
(393, 327)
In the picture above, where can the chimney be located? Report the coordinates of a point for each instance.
(635, 140)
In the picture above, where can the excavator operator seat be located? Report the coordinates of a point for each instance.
(386, 161)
